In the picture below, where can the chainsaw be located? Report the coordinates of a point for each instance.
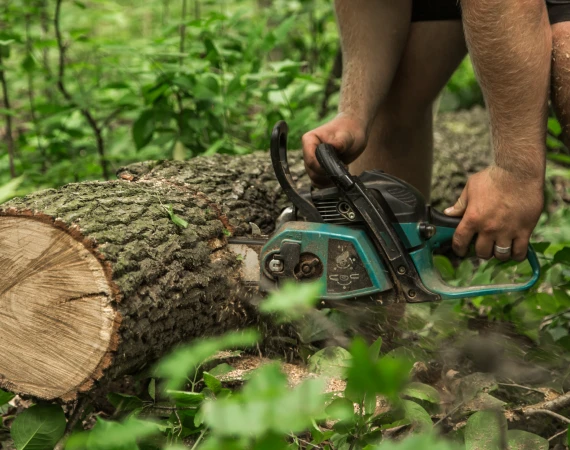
(368, 236)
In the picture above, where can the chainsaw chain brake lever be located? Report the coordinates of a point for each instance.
(379, 226)
(278, 150)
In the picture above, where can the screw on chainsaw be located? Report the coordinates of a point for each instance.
(276, 266)
(310, 266)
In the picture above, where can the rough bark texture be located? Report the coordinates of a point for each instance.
(167, 284)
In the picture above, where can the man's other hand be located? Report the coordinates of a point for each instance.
(345, 133)
(502, 208)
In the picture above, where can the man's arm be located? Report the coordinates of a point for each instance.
(373, 35)
(510, 45)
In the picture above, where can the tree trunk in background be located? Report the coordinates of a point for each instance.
(96, 280)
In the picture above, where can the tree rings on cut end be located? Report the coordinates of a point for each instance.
(56, 317)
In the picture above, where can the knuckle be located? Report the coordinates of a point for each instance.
(519, 255)
(470, 221)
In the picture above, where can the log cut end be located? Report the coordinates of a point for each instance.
(56, 316)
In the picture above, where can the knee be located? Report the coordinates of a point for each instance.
(402, 112)
(560, 40)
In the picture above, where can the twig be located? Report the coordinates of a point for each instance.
(110, 117)
(172, 408)
(558, 403)
(31, 96)
(182, 30)
(72, 421)
(450, 413)
(548, 412)
(195, 446)
(520, 386)
(97, 130)
(8, 118)
(560, 433)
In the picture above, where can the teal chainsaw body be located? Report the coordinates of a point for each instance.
(366, 236)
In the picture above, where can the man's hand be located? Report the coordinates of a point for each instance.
(502, 208)
(347, 134)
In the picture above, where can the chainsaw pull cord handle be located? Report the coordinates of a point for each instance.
(380, 228)
(278, 150)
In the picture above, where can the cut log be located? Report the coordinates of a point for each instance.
(97, 281)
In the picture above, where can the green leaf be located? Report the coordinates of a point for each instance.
(213, 149)
(7, 112)
(418, 416)
(107, 435)
(221, 369)
(421, 392)
(176, 220)
(212, 383)
(421, 442)
(340, 408)
(483, 430)
(176, 367)
(185, 399)
(293, 300)
(554, 126)
(5, 397)
(330, 361)
(540, 247)
(39, 427)
(143, 128)
(266, 405)
(375, 348)
(523, 440)
(562, 256)
(29, 63)
(234, 86)
(123, 402)
(367, 376)
(152, 389)
(444, 267)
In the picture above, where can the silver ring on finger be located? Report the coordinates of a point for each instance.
(502, 250)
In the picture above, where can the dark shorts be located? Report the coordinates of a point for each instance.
(425, 10)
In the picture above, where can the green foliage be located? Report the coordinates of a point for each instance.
(178, 366)
(293, 300)
(107, 435)
(266, 406)
(39, 427)
(5, 397)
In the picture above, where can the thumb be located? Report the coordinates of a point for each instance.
(460, 206)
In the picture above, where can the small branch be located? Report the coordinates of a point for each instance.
(110, 117)
(183, 30)
(31, 96)
(553, 405)
(7, 118)
(520, 386)
(62, 88)
(560, 433)
(72, 421)
(332, 83)
(172, 408)
(548, 412)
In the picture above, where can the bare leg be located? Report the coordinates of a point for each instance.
(560, 87)
(401, 141)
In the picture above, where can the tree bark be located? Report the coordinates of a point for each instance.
(97, 281)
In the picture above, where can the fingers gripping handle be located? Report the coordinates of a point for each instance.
(445, 226)
(333, 166)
